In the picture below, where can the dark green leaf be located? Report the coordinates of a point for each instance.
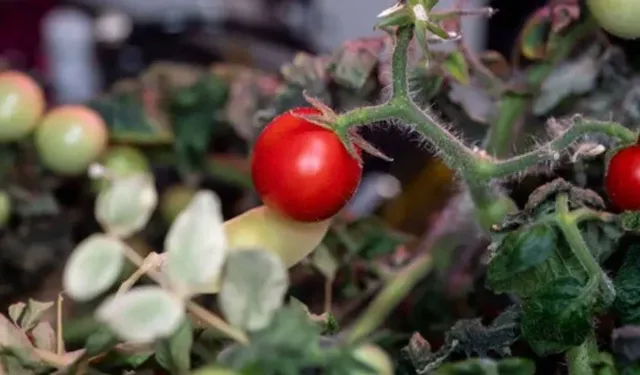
(558, 316)
(626, 283)
(516, 366)
(468, 336)
(102, 340)
(194, 113)
(521, 251)
(174, 353)
(127, 120)
(630, 221)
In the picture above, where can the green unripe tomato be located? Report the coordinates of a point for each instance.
(122, 161)
(375, 358)
(619, 17)
(5, 208)
(174, 200)
(70, 138)
(22, 103)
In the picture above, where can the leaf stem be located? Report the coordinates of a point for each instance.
(567, 224)
(580, 358)
(390, 296)
(198, 311)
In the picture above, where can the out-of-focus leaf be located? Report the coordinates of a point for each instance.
(570, 78)
(487, 366)
(253, 288)
(44, 336)
(27, 315)
(142, 314)
(174, 352)
(475, 101)
(559, 315)
(195, 113)
(126, 205)
(93, 267)
(125, 115)
(543, 24)
(455, 65)
(353, 63)
(196, 244)
(325, 262)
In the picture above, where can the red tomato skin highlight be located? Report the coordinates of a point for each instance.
(622, 181)
(303, 170)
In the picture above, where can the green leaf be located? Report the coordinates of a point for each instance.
(291, 342)
(128, 122)
(27, 315)
(456, 66)
(325, 262)
(516, 366)
(100, 341)
(253, 288)
(196, 244)
(559, 315)
(174, 353)
(214, 370)
(196, 117)
(521, 251)
(627, 303)
(125, 207)
(396, 16)
(93, 267)
(142, 315)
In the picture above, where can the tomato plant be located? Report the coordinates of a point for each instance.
(303, 170)
(21, 105)
(622, 180)
(70, 138)
(619, 17)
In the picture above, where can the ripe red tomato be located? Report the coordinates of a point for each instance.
(622, 181)
(303, 170)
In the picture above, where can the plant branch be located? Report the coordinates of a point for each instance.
(390, 296)
(551, 150)
(198, 311)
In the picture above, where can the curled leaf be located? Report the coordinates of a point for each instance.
(196, 243)
(253, 288)
(93, 267)
(125, 207)
(142, 315)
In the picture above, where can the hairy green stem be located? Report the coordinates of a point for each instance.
(580, 359)
(391, 295)
(552, 150)
(579, 247)
(399, 62)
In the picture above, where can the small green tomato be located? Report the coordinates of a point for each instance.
(174, 200)
(70, 138)
(619, 17)
(122, 161)
(21, 105)
(375, 358)
(5, 208)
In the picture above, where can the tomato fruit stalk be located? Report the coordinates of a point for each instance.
(622, 181)
(303, 170)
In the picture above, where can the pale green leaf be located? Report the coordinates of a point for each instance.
(196, 244)
(93, 267)
(325, 262)
(125, 207)
(253, 288)
(142, 314)
(27, 315)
